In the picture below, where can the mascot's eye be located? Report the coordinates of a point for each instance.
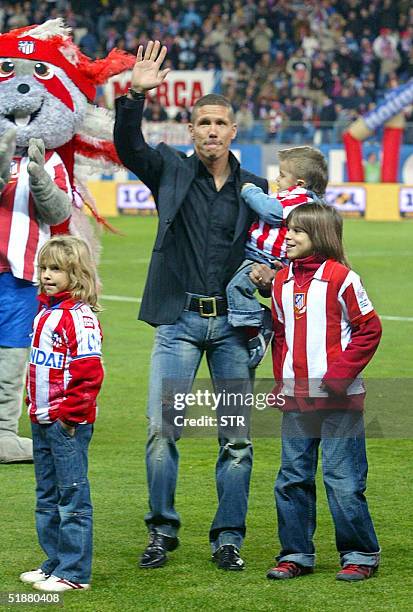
(6, 69)
(43, 71)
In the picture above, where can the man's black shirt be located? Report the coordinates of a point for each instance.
(204, 229)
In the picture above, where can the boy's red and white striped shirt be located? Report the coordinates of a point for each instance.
(318, 319)
(65, 371)
(269, 239)
(21, 236)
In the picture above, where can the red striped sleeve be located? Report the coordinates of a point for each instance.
(80, 396)
(364, 342)
(359, 307)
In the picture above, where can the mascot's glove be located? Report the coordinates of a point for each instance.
(53, 205)
(7, 149)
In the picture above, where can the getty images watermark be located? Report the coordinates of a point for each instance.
(243, 408)
(219, 403)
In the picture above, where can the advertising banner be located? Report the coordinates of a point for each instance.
(406, 201)
(181, 88)
(348, 200)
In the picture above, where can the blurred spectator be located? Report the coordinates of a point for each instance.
(327, 117)
(344, 118)
(295, 131)
(112, 38)
(262, 68)
(186, 46)
(307, 108)
(299, 67)
(191, 18)
(320, 78)
(274, 119)
(89, 44)
(310, 43)
(244, 119)
(385, 48)
(183, 115)
(284, 44)
(372, 168)
(261, 37)
(408, 133)
(155, 112)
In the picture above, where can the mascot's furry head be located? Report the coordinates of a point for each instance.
(47, 87)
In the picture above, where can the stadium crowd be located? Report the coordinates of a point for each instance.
(289, 67)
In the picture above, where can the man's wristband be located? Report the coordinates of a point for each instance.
(136, 95)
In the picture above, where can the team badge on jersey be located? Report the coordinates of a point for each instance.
(57, 340)
(88, 322)
(362, 298)
(299, 304)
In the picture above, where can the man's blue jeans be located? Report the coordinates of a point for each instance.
(63, 504)
(176, 356)
(341, 437)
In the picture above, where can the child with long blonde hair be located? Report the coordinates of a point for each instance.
(64, 378)
(326, 331)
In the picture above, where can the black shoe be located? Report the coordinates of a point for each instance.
(227, 558)
(154, 554)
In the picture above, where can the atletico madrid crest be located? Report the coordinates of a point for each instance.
(57, 340)
(299, 304)
(26, 46)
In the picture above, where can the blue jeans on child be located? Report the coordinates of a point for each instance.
(176, 356)
(63, 504)
(244, 310)
(341, 437)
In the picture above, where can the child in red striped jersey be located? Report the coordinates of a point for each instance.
(326, 332)
(302, 179)
(64, 378)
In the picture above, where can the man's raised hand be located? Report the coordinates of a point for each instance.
(147, 73)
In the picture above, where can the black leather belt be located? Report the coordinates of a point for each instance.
(208, 306)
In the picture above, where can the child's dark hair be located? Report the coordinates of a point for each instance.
(308, 164)
(72, 255)
(324, 226)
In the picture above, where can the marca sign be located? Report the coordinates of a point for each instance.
(181, 88)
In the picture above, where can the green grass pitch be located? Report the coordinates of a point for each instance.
(383, 254)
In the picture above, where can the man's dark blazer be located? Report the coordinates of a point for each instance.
(168, 173)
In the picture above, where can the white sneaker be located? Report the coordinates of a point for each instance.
(36, 575)
(54, 584)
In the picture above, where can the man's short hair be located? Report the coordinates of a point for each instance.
(212, 100)
(309, 164)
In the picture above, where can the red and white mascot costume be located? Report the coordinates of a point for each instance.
(49, 130)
